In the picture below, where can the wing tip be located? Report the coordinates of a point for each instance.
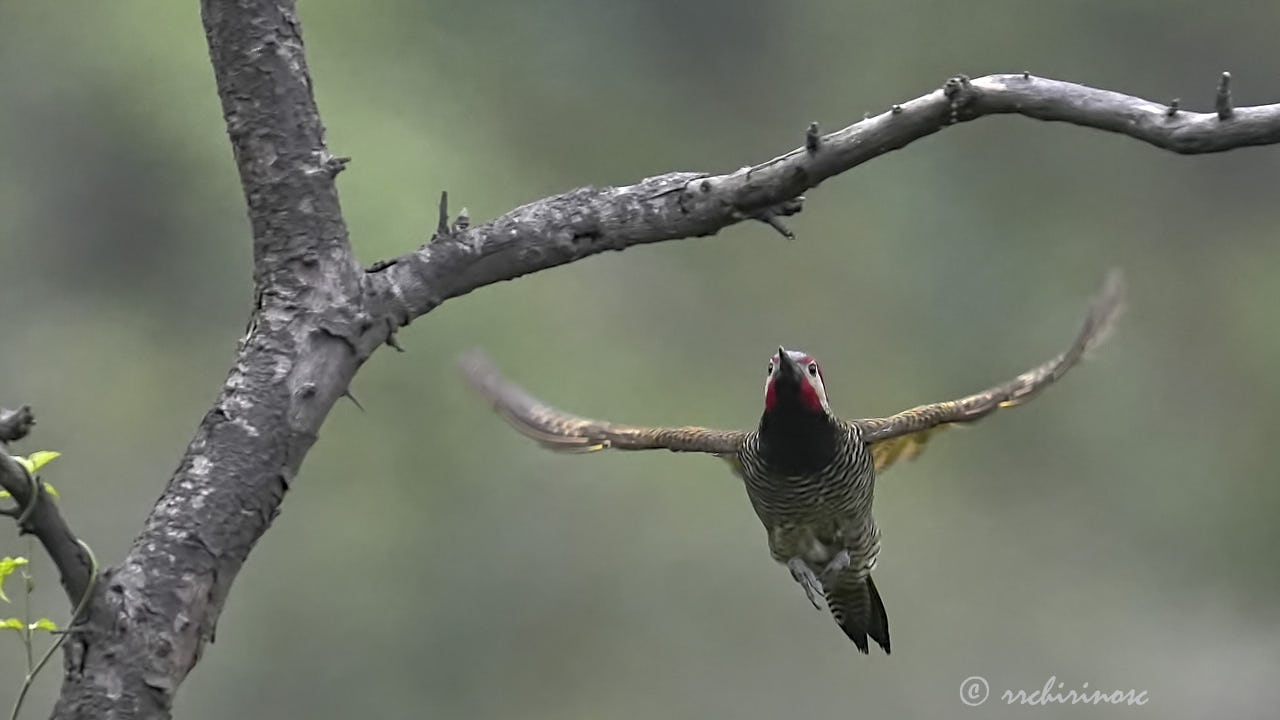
(488, 382)
(1105, 311)
(475, 365)
(520, 410)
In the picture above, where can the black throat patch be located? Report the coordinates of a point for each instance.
(797, 441)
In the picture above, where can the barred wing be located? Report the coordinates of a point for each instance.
(904, 435)
(563, 432)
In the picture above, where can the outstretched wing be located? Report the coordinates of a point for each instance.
(904, 435)
(561, 431)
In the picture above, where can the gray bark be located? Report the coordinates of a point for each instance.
(586, 221)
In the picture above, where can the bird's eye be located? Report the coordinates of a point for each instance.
(770, 370)
(813, 369)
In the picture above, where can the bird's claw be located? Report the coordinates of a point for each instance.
(803, 575)
(838, 563)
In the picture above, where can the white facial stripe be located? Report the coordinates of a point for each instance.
(802, 360)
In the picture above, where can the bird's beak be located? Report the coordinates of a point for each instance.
(786, 366)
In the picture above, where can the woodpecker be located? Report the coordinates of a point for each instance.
(809, 474)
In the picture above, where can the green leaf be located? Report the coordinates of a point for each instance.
(36, 460)
(49, 489)
(7, 566)
(43, 624)
(11, 624)
(40, 458)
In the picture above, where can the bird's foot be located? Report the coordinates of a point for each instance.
(806, 578)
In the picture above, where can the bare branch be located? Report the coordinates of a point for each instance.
(583, 222)
(43, 518)
(15, 424)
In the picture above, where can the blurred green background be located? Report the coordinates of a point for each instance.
(1121, 530)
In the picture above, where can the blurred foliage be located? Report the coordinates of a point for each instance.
(1120, 530)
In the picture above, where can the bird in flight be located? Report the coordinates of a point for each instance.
(810, 475)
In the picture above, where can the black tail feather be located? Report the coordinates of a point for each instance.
(878, 629)
(857, 608)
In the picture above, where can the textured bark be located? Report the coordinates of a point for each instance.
(319, 316)
(151, 615)
(586, 221)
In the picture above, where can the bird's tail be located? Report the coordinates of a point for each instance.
(855, 604)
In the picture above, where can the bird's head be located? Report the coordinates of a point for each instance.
(794, 382)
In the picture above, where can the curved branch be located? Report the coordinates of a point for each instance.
(583, 222)
(44, 521)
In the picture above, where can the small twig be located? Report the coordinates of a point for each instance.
(33, 497)
(380, 265)
(67, 631)
(391, 336)
(954, 90)
(769, 218)
(40, 517)
(348, 395)
(28, 584)
(812, 138)
(15, 424)
(75, 617)
(442, 223)
(336, 165)
(462, 222)
(1223, 101)
(789, 207)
